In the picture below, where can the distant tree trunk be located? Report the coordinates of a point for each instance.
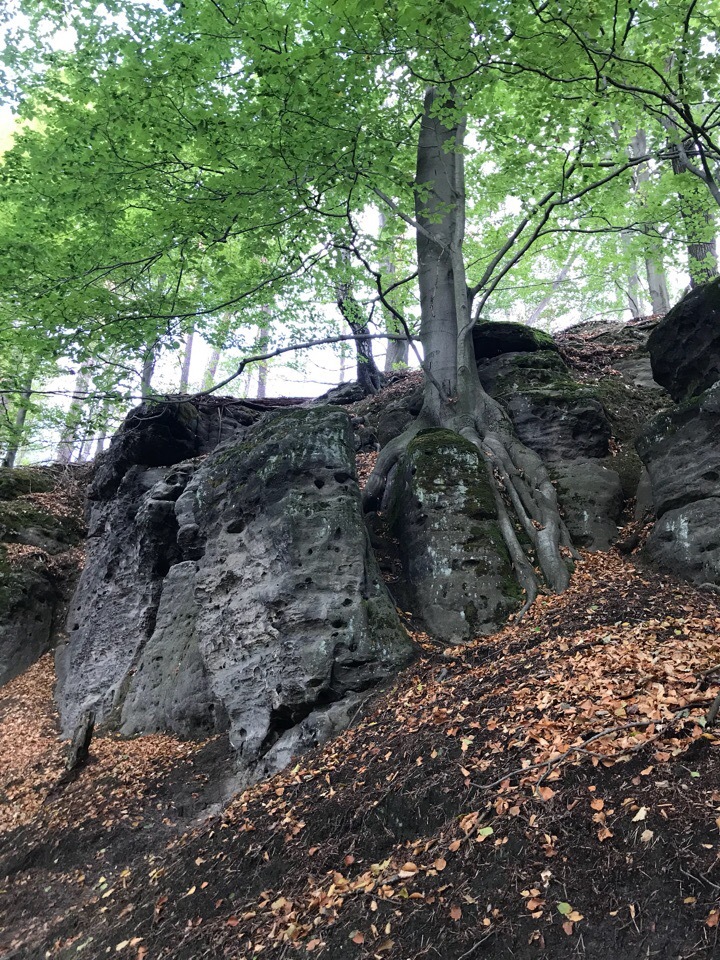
(262, 340)
(343, 363)
(698, 216)
(187, 360)
(656, 279)
(68, 438)
(556, 284)
(262, 380)
(398, 351)
(368, 375)
(148, 369)
(18, 427)
(657, 286)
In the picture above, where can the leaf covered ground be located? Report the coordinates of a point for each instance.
(552, 791)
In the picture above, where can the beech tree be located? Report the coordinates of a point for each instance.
(226, 149)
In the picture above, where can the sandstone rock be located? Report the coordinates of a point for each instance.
(681, 451)
(685, 345)
(238, 592)
(591, 497)
(553, 414)
(559, 425)
(132, 543)
(493, 338)
(686, 541)
(455, 563)
(163, 433)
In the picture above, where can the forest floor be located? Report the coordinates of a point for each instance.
(552, 791)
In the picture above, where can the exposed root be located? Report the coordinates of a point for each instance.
(513, 469)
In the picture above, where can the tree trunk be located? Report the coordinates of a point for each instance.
(68, 438)
(556, 284)
(698, 213)
(454, 397)
(148, 368)
(398, 351)
(656, 279)
(18, 427)
(187, 360)
(368, 375)
(657, 286)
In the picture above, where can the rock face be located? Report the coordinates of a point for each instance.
(495, 338)
(686, 541)
(685, 345)
(681, 451)
(592, 499)
(238, 592)
(454, 559)
(38, 567)
(553, 414)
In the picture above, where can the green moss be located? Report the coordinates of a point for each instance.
(21, 480)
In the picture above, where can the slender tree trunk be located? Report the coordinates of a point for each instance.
(556, 285)
(368, 375)
(657, 286)
(214, 359)
(18, 427)
(187, 360)
(68, 438)
(398, 351)
(654, 272)
(698, 213)
(148, 369)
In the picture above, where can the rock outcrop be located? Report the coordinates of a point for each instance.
(39, 563)
(592, 499)
(680, 447)
(554, 415)
(685, 345)
(455, 563)
(681, 451)
(235, 591)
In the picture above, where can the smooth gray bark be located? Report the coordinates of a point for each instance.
(68, 437)
(187, 360)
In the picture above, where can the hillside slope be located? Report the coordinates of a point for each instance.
(549, 792)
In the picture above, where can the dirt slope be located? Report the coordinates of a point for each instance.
(549, 792)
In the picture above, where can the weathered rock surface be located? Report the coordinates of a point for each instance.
(686, 541)
(491, 339)
(681, 450)
(591, 497)
(38, 567)
(236, 592)
(685, 346)
(166, 432)
(553, 414)
(455, 562)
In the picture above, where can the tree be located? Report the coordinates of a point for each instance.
(245, 143)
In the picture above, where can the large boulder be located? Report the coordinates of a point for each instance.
(685, 345)
(686, 541)
(39, 563)
(165, 432)
(552, 413)
(237, 592)
(681, 451)
(490, 339)
(455, 563)
(591, 497)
